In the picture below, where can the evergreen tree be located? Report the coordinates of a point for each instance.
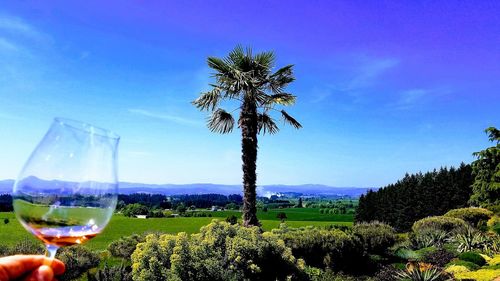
(486, 171)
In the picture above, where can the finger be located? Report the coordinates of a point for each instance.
(43, 273)
(16, 266)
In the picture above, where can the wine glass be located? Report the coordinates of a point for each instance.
(67, 190)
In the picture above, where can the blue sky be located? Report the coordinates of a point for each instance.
(383, 88)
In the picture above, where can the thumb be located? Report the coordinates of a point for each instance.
(43, 273)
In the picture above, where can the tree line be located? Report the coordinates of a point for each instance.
(417, 196)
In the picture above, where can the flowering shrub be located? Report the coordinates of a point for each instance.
(220, 251)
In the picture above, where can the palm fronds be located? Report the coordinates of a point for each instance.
(290, 120)
(266, 124)
(221, 122)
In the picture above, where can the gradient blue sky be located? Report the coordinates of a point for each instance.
(383, 88)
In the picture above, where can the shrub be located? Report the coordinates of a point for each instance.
(442, 223)
(282, 216)
(220, 251)
(454, 269)
(324, 248)
(316, 274)
(135, 209)
(494, 224)
(113, 273)
(480, 275)
(232, 219)
(476, 217)
(78, 260)
(440, 257)
(27, 247)
(6, 221)
(469, 265)
(125, 246)
(471, 239)
(387, 273)
(472, 257)
(375, 236)
(429, 237)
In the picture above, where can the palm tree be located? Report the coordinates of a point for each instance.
(248, 80)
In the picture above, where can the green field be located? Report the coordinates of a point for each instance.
(119, 226)
(293, 214)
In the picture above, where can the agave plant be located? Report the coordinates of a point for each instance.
(422, 272)
(470, 240)
(429, 238)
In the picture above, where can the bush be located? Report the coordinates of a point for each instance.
(220, 251)
(232, 219)
(476, 217)
(442, 223)
(494, 224)
(135, 209)
(125, 246)
(387, 273)
(322, 248)
(480, 275)
(6, 221)
(469, 265)
(472, 257)
(440, 257)
(375, 236)
(113, 273)
(281, 215)
(27, 247)
(78, 260)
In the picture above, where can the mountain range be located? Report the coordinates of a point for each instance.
(204, 188)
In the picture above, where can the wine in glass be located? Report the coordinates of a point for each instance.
(67, 191)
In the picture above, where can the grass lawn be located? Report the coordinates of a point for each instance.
(119, 226)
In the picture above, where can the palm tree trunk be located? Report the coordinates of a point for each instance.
(248, 124)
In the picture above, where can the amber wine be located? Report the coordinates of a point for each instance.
(62, 225)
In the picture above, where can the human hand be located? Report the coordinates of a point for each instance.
(29, 268)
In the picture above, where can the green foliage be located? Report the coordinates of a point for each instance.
(422, 272)
(220, 251)
(181, 208)
(480, 275)
(78, 260)
(316, 274)
(135, 209)
(281, 216)
(27, 247)
(493, 224)
(486, 169)
(470, 239)
(439, 257)
(6, 221)
(472, 257)
(125, 246)
(469, 265)
(446, 224)
(322, 248)
(232, 219)
(375, 236)
(113, 273)
(474, 216)
(417, 196)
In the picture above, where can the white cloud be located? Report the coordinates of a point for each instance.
(368, 73)
(16, 26)
(165, 117)
(365, 75)
(7, 45)
(413, 97)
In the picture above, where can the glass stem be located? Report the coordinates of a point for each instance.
(51, 251)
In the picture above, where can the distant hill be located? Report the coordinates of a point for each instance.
(204, 188)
